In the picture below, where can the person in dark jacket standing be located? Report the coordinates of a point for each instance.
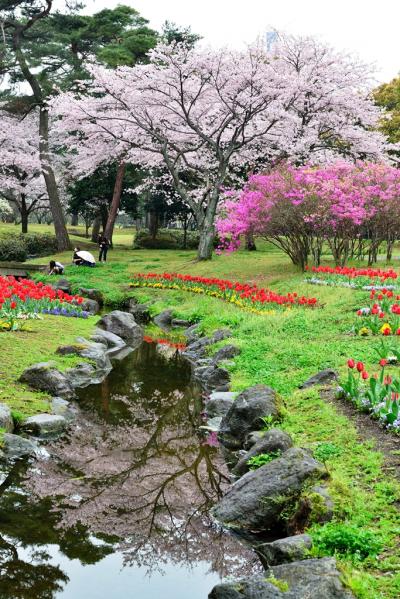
(104, 244)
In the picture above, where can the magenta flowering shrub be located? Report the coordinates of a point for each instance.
(353, 208)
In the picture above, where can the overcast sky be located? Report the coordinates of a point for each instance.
(369, 28)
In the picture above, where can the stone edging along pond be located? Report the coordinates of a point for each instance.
(282, 497)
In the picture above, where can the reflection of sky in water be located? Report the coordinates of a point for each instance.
(110, 579)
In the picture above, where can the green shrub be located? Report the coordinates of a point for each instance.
(39, 244)
(167, 239)
(326, 451)
(345, 539)
(12, 250)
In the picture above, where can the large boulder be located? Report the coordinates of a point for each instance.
(289, 549)
(324, 377)
(45, 377)
(15, 446)
(124, 325)
(44, 425)
(273, 441)
(256, 501)
(246, 414)
(309, 579)
(62, 407)
(257, 588)
(89, 305)
(6, 420)
(111, 340)
(85, 374)
(180, 322)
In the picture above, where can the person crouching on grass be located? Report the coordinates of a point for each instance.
(55, 268)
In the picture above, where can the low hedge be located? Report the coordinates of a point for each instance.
(18, 248)
(167, 239)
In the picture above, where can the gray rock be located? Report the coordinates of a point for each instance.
(85, 374)
(192, 333)
(99, 339)
(62, 407)
(95, 352)
(212, 378)
(314, 505)
(122, 324)
(289, 549)
(219, 404)
(274, 440)
(212, 424)
(63, 285)
(221, 334)
(180, 322)
(317, 578)
(246, 414)
(257, 588)
(45, 377)
(164, 319)
(111, 339)
(15, 446)
(323, 377)
(89, 305)
(140, 312)
(6, 420)
(93, 294)
(44, 425)
(226, 353)
(309, 579)
(252, 438)
(255, 502)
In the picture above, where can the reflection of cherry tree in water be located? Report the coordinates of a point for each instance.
(149, 482)
(27, 527)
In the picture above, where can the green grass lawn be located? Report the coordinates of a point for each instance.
(280, 349)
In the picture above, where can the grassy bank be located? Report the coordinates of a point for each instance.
(280, 349)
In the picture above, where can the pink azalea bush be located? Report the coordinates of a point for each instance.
(353, 208)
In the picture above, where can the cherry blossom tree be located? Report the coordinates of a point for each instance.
(21, 179)
(207, 116)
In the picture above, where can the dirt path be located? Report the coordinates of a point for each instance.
(386, 442)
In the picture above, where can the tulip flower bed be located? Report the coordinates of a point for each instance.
(378, 394)
(22, 300)
(247, 297)
(356, 278)
(164, 341)
(381, 317)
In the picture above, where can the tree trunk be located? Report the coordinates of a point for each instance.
(74, 219)
(250, 243)
(206, 242)
(24, 214)
(112, 215)
(63, 242)
(96, 228)
(153, 224)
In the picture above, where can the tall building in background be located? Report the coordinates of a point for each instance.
(271, 38)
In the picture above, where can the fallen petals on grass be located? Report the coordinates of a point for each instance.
(243, 295)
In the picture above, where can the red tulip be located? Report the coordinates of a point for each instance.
(351, 363)
(383, 362)
(364, 375)
(360, 366)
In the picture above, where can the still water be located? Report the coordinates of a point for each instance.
(119, 508)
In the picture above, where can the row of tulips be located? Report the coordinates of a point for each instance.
(381, 316)
(164, 341)
(356, 278)
(377, 394)
(243, 295)
(23, 299)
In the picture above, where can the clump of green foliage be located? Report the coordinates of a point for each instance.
(282, 585)
(326, 451)
(263, 458)
(339, 538)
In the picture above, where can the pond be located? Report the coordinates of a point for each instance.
(120, 506)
